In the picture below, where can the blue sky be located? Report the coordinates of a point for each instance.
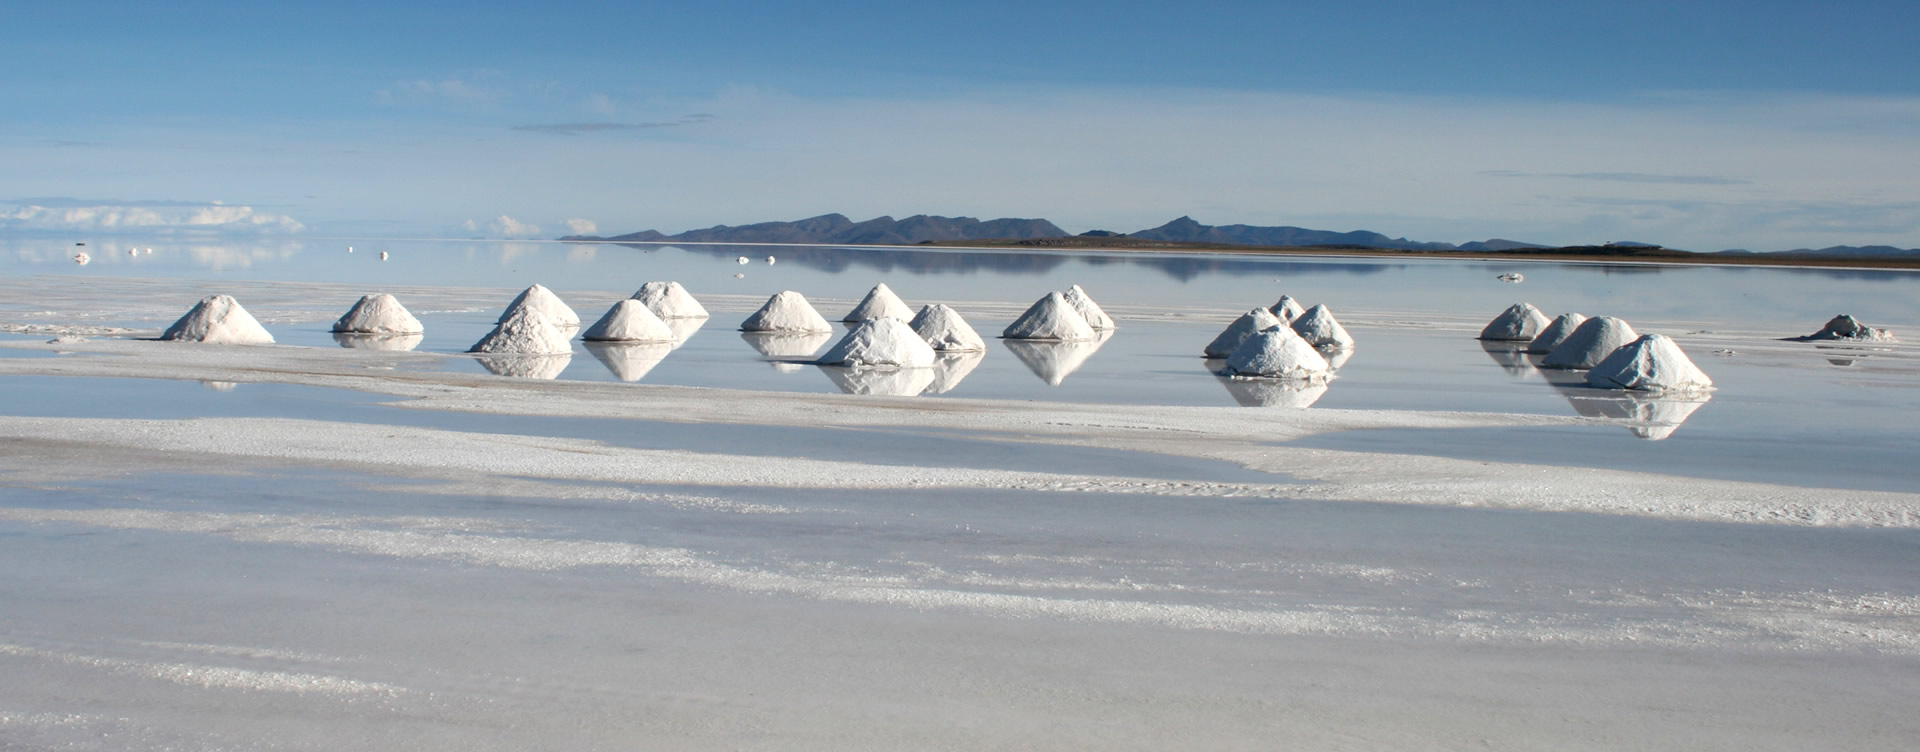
(1711, 125)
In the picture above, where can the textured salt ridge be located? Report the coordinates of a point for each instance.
(629, 321)
(524, 332)
(1287, 309)
(1520, 322)
(880, 303)
(1555, 333)
(1247, 325)
(669, 300)
(541, 300)
(786, 311)
(379, 313)
(881, 343)
(1653, 362)
(1051, 318)
(945, 331)
(1278, 353)
(1320, 329)
(1089, 310)
(1846, 327)
(1591, 342)
(220, 320)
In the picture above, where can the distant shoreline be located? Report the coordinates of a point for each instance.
(1624, 255)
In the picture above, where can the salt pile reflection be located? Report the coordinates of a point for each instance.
(951, 369)
(629, 361)
(392, 342)
(1054, 360)
(1652, 416)
(888, 382)
(525, 366)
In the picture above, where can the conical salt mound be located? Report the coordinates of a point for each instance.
(1521, 321)
(880, 343)
(1556, 332)
(945, 331)
(1847, 327)
(1277, 353)
(378, 314)
(669, 300)
(526, 332)
(1287, 309)
(1652, 363)
(1591, 342)
(1051, 317)
(1318, 327)
(1089, 310)
(880, 303)
(628, 321)
(219, 320)
(1242, 328)
(786, 311)
(542, 301)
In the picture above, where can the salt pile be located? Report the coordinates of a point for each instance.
(1847, 327)
(1521, 321)
(541, 300)
(525, 332)
(1278, 353)
(1051, 317)
(1089, 310)
(628, 321)
(1053, 361)
(1652, 363)
(1287, 309)
(880, 343)
(669, 300)
(629, 361)
(1592, 341)
(945, 331)
(880, 303)
(786, 311)
(1242, 328)
(1556, 332)
(378, 314)
(1318, 327)
(218, 319)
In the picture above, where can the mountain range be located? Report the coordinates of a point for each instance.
(837, 229)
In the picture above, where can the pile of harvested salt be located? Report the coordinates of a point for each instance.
(880, 303)
(1556, 332)
(1287, 309)
(1652, 363)
(525, 331)
(1592, 341)
(1520, 322)
(1237, 332)
(378, 314)
(1318, 327)
(1845, 327)
(1089, 310)
(669, 300)
(629, 321)
(945, 331)
(1053, 318)
(880, 343)
(1277, 353)
(786, 311)
(218, 319)
(540, 300)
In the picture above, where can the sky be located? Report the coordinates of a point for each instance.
(1703, 125)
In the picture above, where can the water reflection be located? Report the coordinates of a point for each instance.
(952, 368)
(1274, 392)
(683, 329)
(786, 345)
(629, 361)
(1512, 357)
(890, 382)
(1054, 361)
(393, 342)
(1652, 416)
(1026, 261)
(525, 366)
(220, 386)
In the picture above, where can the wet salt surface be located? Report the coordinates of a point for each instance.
(156, 399)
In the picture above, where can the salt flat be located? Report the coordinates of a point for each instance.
(319, 575)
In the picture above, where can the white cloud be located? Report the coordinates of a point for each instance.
(578, 226)
(507, 227)
(149, 217)
(424, 91)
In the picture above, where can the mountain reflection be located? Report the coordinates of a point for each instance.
(1014, 261)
